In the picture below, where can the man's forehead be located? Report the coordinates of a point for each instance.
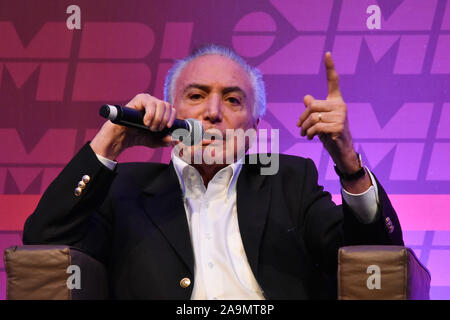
(214, 69)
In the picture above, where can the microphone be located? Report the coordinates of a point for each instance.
(188, 131)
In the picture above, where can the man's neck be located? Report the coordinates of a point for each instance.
(208, 171)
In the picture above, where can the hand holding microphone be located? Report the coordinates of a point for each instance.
(189, 131)
(145, 121)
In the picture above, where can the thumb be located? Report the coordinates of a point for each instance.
(167, 140)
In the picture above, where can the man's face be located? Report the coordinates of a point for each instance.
(218, 92)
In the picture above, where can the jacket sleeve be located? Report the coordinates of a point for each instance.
(327, 227)
(62, 217)
(379, 231)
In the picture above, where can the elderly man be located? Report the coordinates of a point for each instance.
(217, 230)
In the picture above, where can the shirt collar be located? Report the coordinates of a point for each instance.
(191, 182)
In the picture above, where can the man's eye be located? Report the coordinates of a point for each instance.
(234, 100)
(195, 96)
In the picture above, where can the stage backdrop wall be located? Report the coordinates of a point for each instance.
(395, 81)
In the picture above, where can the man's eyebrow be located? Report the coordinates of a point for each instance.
(197, 86)
(206, 88)
(234, 89)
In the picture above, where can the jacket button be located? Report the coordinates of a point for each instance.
(389, 225)
(81, 185)
(185, 282)
(86, 178)
(78, 191)
(388, 222)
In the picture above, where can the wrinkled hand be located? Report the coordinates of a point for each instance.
(112, 139)
(158, 115)
(328, 120)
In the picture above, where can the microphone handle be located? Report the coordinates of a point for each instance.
(135, 119)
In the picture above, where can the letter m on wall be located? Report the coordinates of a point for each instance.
(404, 133)
(21, 60)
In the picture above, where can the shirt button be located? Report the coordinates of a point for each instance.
(208, 236)
(210, 265)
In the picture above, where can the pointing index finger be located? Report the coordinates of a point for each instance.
(332, 77)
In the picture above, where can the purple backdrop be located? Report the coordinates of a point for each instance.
(395, 80)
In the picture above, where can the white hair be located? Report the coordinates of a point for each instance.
(259, 107)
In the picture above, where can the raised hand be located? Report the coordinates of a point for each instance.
(327, 119)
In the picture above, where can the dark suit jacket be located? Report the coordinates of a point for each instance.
(133, 220)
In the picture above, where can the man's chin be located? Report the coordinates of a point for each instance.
(210, 152)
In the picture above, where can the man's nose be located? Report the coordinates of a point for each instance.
(213, 112)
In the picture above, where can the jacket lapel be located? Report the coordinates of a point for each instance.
(253, 201)
(163, 203)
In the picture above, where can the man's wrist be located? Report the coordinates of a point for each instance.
(110, 164)
(106, 143)
(354, 179)
(353, 172)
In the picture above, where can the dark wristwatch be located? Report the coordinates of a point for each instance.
(351, 176)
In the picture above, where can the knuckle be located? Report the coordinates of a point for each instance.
(143, 96)
(161, 106)
(315, 117)
(150, 110)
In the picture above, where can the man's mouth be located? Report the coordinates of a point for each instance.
(212, 135)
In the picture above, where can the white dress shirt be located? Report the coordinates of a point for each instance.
(221, 268)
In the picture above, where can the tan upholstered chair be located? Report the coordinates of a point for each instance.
(46, 272)
(381, 272)
(364, 272)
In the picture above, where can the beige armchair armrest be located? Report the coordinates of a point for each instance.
(53, 272)
(381, 273)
